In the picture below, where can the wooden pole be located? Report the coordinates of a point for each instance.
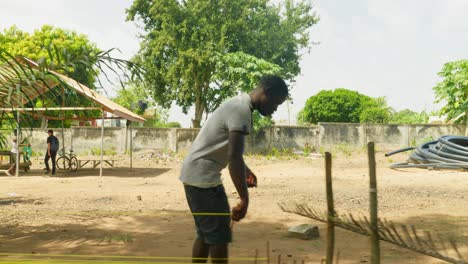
(279, 259)
(131, 148)
(17, 134)
(268, 251)
(63, 136)
(330, 208)
(373, 206)
(102, 144)
(256, 256)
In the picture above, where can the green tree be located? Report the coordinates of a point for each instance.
(453, 91)
(191, 47)
(58, 49)
(54, 46)
(66, 52)
(129, 98)
(343, 105)
(134, 97)
(16, 75)
(407, 116)
(339, 105)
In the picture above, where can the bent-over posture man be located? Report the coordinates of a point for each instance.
(219, 143)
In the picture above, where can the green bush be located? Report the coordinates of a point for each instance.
(344, 106)
(95, 151)
(374, 116)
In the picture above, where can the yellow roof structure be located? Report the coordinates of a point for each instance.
(32, 88)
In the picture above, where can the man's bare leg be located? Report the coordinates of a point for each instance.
(219, 253)
(200, 251)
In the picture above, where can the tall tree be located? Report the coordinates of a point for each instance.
(64, 51)
(54, 49)
(58, 49)
(189, 45)
(135, 99)
(54, 46)
(453, 91)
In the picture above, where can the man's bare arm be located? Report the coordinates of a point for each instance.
(237, 170)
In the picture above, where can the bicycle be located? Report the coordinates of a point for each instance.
(67, 161)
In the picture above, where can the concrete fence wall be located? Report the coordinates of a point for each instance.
(387, 136)
(85, 140)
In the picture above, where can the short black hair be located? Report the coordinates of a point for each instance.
(274, 85)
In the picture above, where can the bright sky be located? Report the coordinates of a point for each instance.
(392, 48)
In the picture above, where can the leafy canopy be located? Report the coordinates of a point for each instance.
(453, 90)
(200, 52)
(54, 47)
(57, 49)
(135, 99)
(344, 106)
(66, 52)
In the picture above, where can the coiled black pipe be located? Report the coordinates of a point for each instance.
(447, 152)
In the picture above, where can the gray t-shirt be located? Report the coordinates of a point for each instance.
(209, 152)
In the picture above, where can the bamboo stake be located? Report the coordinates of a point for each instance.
(268, 251)
(18, 127)
(331, 209)
(374, 231)
(102, 144)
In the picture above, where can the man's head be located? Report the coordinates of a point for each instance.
(269, 94)
(50, 132)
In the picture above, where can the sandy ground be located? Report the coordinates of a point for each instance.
(84, 214)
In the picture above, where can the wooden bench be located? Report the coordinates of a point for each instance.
(94, 162)
(26, 166)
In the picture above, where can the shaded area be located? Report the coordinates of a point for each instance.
(106, 172)
(447, 226)
(16, 200)
(170, 234)
(440, 245)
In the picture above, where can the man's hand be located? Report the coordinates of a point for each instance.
(251, 179)
(239, 211)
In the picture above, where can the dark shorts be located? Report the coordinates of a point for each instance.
(13, 157)
(210, 209)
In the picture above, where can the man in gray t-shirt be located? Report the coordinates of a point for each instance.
(221, 143)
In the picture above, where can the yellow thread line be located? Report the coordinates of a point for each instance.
(117, 257)
(123, 213)
(85, 261)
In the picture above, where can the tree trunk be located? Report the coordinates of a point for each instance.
(199, 109)
(202, 83)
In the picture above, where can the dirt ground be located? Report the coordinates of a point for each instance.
(84, 214)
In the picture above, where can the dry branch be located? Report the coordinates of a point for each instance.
(388, 232)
